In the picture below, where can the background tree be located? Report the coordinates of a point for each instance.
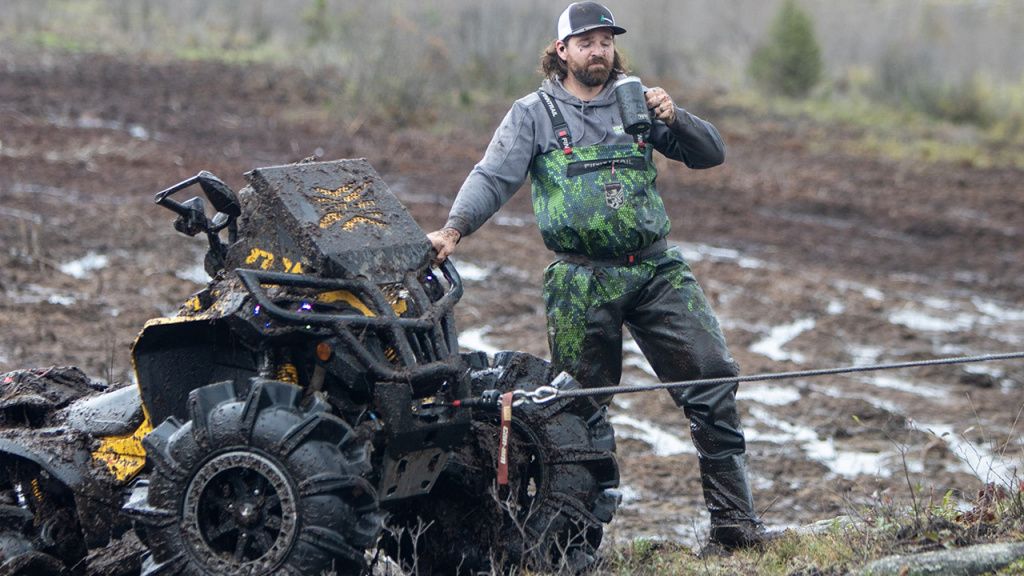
(789, 61)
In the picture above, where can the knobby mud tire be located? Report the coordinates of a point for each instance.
(562, 480)
(255, 483)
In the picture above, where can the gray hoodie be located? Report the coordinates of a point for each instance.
(526, 132)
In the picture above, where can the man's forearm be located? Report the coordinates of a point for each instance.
(693, 141)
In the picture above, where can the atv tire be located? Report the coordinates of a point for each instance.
(255, 484)
(562, 480)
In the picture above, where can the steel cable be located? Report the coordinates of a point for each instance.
(548, 393)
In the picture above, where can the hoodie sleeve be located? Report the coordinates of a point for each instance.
(691, 140)
(500, 173)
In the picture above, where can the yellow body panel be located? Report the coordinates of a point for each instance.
(124, 455)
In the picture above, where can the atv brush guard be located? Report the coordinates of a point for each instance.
(425, 345)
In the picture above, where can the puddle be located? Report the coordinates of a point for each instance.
(662, 443)
(84, 266)
(778, 337)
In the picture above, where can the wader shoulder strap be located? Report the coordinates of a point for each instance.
(557, 121)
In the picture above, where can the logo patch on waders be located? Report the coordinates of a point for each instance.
(614, 197)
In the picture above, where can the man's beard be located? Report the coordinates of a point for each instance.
(594, 73)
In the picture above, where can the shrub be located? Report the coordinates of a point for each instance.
(789, 61)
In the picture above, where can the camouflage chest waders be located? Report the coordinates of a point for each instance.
(598, 208)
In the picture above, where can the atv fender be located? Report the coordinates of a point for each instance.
(62, 471)
(112, 414)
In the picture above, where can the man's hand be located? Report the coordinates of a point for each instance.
(661, 105)
(444, 241)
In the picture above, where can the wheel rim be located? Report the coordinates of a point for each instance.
(240, 512)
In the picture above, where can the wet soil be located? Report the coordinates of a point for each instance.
(812, 258)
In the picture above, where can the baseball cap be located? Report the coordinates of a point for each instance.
(580, 17)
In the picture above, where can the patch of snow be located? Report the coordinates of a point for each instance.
(778, 337)
(36, 294)
(83, 266)
(641, 363)
(629, 495)
(835, 308)
(893, 383)
(471, 272)
(845, 463)
(698, 252)
(869, 292)
(862, 355)
(623, 401)
(871, 399)
(61, 299)
(662, 443)
(984, 369)
(939, 303)
(997, 311)
(473, 339)
(974, 458)
(922, 322)
(196, 274)
(777, 395)
(635, 357)
(514, 221)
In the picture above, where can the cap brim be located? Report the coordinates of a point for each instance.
(616, 30)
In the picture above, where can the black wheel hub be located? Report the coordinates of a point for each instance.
(240, 513)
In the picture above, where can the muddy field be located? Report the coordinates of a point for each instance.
(812, 258)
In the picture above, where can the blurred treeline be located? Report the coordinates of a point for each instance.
(961, 60)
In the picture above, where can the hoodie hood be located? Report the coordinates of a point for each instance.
(590, 122)
(554, 87)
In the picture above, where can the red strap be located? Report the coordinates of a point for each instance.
(506, 431)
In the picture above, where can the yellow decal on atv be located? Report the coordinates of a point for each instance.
(194, 304)
(346, 205)
(346, 297)
(124, 455)
(291, 267)
(266, 259)
(397, 303)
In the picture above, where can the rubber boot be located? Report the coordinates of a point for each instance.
(734, 522)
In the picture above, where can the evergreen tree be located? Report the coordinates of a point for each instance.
(789, 62)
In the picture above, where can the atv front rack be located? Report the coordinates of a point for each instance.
(424, 341)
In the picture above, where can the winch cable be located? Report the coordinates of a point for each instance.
(546, 394)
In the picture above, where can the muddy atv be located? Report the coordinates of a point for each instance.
(300, 412)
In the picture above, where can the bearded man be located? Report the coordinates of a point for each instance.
(599, 211)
